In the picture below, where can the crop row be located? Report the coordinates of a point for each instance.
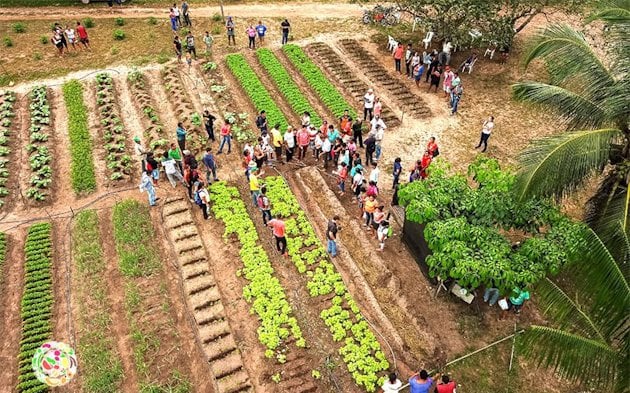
(118, 159)
(39, 154)
(326, 91)
(7, 100)
(360, 351)
(154, 134)
(289, 89)
(101, 369)
(3, 252)
(264, 291)
(255, 89)
(37, 304)
(82, 161)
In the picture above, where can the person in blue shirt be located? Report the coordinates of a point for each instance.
(397, 171)
(261, 30)
(181, 136)
(333, 133)
(420, 382)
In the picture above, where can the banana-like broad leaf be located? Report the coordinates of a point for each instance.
(556, 165)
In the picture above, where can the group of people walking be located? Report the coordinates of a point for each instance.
(65, 37)
(420, 382)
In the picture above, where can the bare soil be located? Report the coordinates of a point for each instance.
(94, 126)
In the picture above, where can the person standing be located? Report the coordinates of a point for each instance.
(408, 57)
(377, 123)
(368, 104)
(83, 35)
(357, 132)
(147, 185)
(456, 96)
(191, 176)
(140, 151)
(370, 148)
(488, 126)
(177, 14)
(170, 168)
(432, 147)
(286, 27)
(418, 72)
(446, 386)
(202, 199)
(153, 166)
(56, 41)
(342, 175)
(420, 382)
(251, 34)
(278, 229)
(72, 39)
(173, 19)
(226, 137)
(176, 155)
(303, 140)
(378, 106)
(398, 55)
(413, 64)
(181, 136)
(331, 234)
(261, 121)
(264, 205)
(190, 45)
(378, 137)
(289, 140)
(254, 186)
(427, 158)
(448, 80)
(436, 75)
(392, 384)
(229, 27)
(345, 119)
(64, 42)
(276, 141)
(209, 124)
(261, 30)
(375, 173)
(186, 13)
(177, 43)
(208, 40)
(211, 166)
(382, 233)
(396, 172)
(432, 66)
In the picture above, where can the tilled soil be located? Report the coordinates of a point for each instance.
(95, 129)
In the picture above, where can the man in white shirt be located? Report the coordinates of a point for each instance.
(380, 131)
(377, 121)
(289, 141)
(375, 173)
(368, 104)
(172, 172)
(488, 126)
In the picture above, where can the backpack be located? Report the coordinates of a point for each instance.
(198, 200)
(263, 202)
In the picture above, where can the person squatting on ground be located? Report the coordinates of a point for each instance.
(170, 168)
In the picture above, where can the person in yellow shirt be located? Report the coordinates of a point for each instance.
(369, 208)
(254, 187)
(276, 141)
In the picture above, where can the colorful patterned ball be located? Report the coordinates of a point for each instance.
(55, 363)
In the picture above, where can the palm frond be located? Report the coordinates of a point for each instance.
(569, 55)
(565, 312)
(574, 357)
(604, 284)
(579, 111)
(608, 210)
(556, 165)
(613, 12)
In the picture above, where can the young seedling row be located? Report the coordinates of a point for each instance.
(155, 135)
(39, 153)
(7, 116)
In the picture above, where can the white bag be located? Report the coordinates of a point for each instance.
(503, 304)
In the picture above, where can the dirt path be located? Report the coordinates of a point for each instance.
(162, 103)
(294, 10)
(59, 144)
(98, 150)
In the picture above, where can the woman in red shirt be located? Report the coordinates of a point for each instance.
(424, 164)
(226, 137)
(398, 55)
(432, 147)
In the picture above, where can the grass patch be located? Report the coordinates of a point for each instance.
(82, 165)
(101, 368)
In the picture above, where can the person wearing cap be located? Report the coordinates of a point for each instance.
(254, 186)
(368, 104)
(140, 151)
(181, 136)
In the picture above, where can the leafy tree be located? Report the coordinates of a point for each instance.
(590, 341)
(591, 94)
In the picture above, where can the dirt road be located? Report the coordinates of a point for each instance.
(297, 9)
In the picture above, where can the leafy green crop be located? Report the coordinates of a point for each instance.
(82, 165)
(256, 91)
(289, 89)
(327, 92)
(40, 157)
(7, 100)
(361, 351)
(264, 291)
(465, 227)
(36, 305)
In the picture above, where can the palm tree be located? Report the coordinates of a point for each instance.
(591, 94)
(590, 344)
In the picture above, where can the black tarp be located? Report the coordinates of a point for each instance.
(413, 237)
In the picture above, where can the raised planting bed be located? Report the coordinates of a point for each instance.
(36, 305)
(38, 148)
(117, 147)
(255, 90)
(7, 115)
(408, 102)
(264, 291)
(326, 91)
(154, 135)
(101, 368)
(330, 61)
(82, 164)
(361, 351)
(284, 82)
(3, 252)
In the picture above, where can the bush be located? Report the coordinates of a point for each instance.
(152, 21)
(119, 35)
(7, 41)
(216, 18)
(18, 27)
(120, 21)
(88, 23)
(37, 56)
(44, 40)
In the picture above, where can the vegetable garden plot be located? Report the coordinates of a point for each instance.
(117, 146)
(361, 351)
(346, 78)
(286, 85)
(255, 90)
(154, 134)
(204, 300)
(3, 253)
(7, 118)
(38, 148)
(36, 305)
(409, 102)
(184, 110)
(82, 166)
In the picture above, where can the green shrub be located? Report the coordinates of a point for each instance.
(216, 18)
(119, 35)
(152, 21)
(44, 40)
(37, 56)
(7, 41)
(88, 23)
(18, 27)
(120, 21)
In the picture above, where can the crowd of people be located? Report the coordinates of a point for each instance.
(420, 382)
(65, 37)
